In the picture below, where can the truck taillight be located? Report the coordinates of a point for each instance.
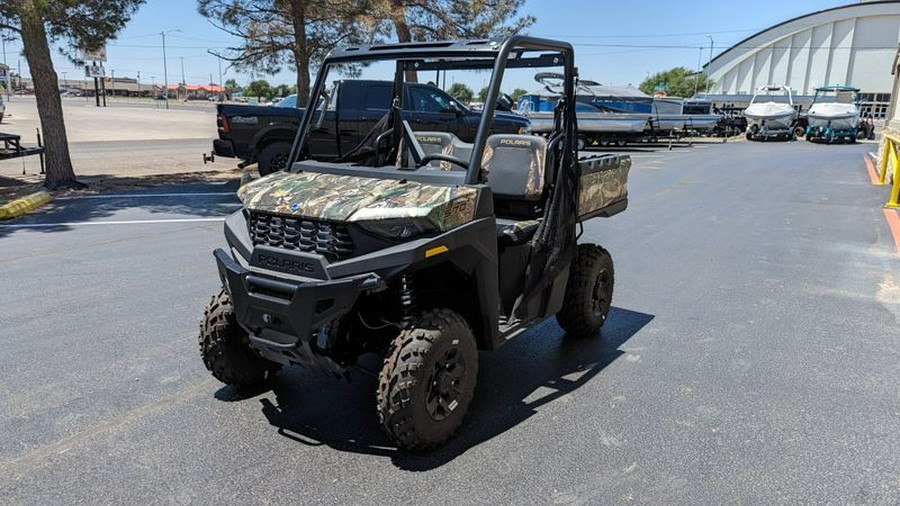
(223, 124)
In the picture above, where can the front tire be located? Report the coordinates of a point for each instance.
(428, 380)
(273, 158)
(588, 292)
(225, 347)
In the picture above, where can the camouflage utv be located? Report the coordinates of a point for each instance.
(416, 246)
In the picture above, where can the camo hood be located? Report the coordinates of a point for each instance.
(353, 198)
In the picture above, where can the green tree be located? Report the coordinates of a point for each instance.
(676, 82)
(260, 88)
(293, 33)
(232, 86)
(422, 20)
(517, 94)
(482, 94)
(87, 24)
(461, 92)
(283, 90)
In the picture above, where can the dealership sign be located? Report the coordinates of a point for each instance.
(94, 71)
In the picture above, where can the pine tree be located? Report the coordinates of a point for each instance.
(423, 20)
(293, 33)
(86, 24)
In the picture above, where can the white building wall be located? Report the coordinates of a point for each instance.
(799, 62)
(853, 45)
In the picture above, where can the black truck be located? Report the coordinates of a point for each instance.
(263, 134)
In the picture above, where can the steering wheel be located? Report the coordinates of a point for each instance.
(445, 158)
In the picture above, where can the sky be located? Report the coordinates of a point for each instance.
(616, 42)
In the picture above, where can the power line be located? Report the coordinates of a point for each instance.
(647, 36)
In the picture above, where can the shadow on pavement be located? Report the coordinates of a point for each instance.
(513, 384)
(85, 207)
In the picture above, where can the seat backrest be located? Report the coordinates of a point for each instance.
(514, 166)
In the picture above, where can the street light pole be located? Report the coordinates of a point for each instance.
(697, 80)
(139, 83)
(708, 80)
(8, 72)
(165, 67)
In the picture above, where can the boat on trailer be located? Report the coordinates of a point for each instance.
(771, 116)
(607, 115)
(673, 116)
(834, 114)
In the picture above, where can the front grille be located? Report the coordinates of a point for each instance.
(301, 234)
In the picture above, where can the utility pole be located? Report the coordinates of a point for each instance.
(8, 71)
(139, 83)
(222, 88)
(113, 81)
(165, 68)
(708, 80)
(183, 82)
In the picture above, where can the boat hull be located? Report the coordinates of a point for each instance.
(771, 115)
(595, 123)
(836, 116)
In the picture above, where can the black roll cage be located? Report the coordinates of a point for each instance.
(496, 54)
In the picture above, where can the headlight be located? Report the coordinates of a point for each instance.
(525, 130)
(404, 228)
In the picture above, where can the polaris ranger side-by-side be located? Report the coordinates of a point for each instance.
(416, 246)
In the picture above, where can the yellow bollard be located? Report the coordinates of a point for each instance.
(882, 169)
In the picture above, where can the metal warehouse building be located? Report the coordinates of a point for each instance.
(853, 44)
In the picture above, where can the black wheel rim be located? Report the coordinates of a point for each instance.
(446, 384)
(278, 162)
(600, 295)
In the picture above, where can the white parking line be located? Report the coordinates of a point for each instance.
(121, 222)
(145, 195)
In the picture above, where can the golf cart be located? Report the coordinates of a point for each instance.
(416, 246)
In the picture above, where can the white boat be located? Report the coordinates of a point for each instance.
(669, 115)
(770, 115)
(593, 122)
(842, 114)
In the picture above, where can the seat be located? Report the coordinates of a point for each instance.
(514, 232)
(444, 143)
(514, 166)
(514, 169)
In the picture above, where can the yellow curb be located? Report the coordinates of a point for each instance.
(24, 205)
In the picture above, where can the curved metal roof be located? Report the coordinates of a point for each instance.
(798, 18)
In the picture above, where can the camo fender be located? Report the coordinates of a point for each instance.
(602, 183)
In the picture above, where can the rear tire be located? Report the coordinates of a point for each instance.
(273, 158)
(428, 380)
(225, 347)
(588, 292)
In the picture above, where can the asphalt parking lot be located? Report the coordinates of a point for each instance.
(750, 357)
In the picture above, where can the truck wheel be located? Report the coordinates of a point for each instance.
(428, 380)
(588, 292)
(225, 347)
(799, 131)
(273, 157)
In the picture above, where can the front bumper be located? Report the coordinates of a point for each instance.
(289, 319)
